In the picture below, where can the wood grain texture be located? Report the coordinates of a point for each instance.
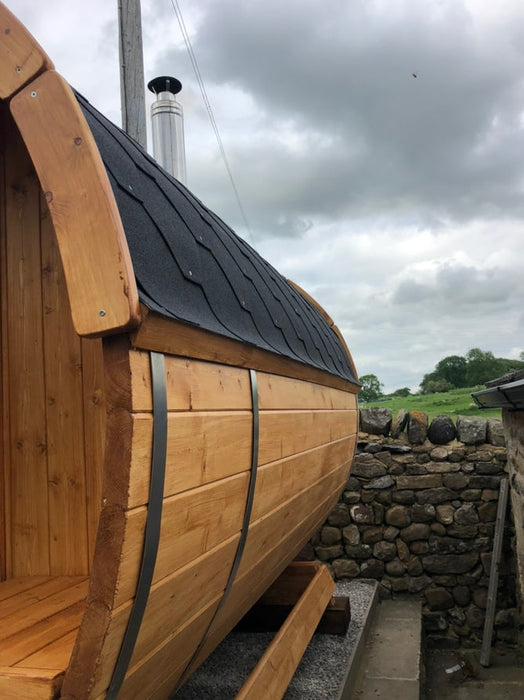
(156, 677)
(193, 522)
(25, 393)
(250, 586)
(4, 371)
(30, 683)
(283, 479)
(21, 57)
(201, 447)
(274, 671)
(192, 385)
(111, 532)
(172, 602)
(285, 433)
(166, 335)
(95, 433)
(100, 280)
(294, 510)
(280, 393)
(66, 470)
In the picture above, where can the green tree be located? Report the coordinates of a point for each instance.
(453, 370)
(437, 386)
(371, 388)
(481, 366)
(404, 391)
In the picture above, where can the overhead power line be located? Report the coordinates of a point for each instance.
(209, 109)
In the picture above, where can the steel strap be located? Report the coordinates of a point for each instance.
(245, 523)
(153, 521)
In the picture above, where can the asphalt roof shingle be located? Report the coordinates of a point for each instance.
(191, 266)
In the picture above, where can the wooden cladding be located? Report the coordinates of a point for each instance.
(53, 411)
(303, 460)
(162, 334)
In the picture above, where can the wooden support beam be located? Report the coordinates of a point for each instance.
(274, 671)
(269, 618)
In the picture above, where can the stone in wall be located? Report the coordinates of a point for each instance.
(495, 432)
(471, 430)
(417, 427)
(441, 430)
(399, 423)
(376, 421)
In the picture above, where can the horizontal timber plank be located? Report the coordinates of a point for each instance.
(14, 586)
(248, 587)
(192, 385)
(29, 683)
(24, 619)
(294, 510)
(275, 392)
(275, 669)
(192, 523)
(159, 672)
(284, 433)
(278, 481)
(44, 588)
(17, 647)
(56, 653)
(201, 447)
(172, 601)
(173, 337)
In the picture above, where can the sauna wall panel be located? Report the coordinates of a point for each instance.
(52, 385)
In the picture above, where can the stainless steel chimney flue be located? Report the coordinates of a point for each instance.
(167, 122)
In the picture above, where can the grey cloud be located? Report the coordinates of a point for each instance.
(446, 143)
(461, 287)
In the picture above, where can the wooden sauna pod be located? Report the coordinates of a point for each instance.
(177, 419)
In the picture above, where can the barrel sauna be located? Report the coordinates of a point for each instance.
(177, 418)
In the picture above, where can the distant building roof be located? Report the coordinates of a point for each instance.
(504, 392)
(191, 266)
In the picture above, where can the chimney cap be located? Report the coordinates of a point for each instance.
(165, 83)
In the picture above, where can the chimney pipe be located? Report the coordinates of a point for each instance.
(167, 123)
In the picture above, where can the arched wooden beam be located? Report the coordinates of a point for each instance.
(95, 256)
(97, 266)
(21, 57)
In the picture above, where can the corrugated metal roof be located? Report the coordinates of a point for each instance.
(192, 267)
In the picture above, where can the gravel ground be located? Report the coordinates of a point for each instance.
(318, 676)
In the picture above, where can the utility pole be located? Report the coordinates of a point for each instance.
(132, 70)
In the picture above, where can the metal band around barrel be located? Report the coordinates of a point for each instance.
(245, 524)
(153, 520)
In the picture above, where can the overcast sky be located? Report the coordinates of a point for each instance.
(396, 201)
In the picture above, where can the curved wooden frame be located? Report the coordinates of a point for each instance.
(103, 298)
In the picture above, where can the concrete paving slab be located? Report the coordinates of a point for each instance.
(389, 689)
(391, 665)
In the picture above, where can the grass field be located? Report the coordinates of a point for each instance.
(453, 403)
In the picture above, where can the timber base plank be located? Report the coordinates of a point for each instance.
(270, 617)
(274, 671)
(39, 617)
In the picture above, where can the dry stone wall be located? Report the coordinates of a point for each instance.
(418, 515)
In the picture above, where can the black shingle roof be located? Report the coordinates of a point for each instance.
(191, 266)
